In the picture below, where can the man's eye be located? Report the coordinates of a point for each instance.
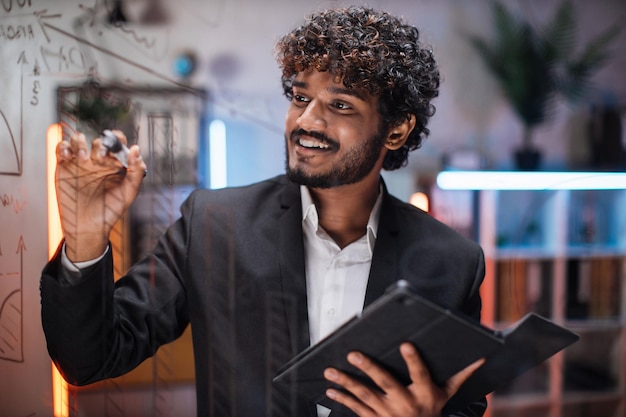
(341, 106)
(299, 98)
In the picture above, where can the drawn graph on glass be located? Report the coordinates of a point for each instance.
(11, 302)
(10, 161)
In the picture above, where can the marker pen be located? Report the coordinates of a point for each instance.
(115, 146)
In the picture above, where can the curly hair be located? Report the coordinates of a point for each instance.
(370, 51)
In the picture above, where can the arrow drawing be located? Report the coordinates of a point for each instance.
(42, 15)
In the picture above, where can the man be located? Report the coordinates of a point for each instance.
(263, 271)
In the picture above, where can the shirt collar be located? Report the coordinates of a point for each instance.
(309, 212)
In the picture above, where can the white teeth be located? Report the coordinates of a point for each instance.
(312, 144)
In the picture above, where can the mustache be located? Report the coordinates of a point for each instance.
(312, 134)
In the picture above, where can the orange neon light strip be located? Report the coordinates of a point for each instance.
(60, 397)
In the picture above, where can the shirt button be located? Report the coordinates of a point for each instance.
(330, 312)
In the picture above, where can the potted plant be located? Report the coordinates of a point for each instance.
(534, 65)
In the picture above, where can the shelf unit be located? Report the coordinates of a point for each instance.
(557, 249)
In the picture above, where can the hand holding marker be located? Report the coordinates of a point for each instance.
(116, 148)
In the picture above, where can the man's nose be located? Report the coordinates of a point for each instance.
(312, 118)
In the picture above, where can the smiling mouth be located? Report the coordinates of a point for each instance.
(314, 141)
(312, 144)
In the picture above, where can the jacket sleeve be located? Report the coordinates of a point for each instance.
(96, 328)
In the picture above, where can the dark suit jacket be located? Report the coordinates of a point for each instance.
(233, 267)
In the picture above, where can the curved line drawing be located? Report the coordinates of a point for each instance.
(11, 328)
(17, 155)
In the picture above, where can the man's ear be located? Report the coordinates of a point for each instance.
(400, 133)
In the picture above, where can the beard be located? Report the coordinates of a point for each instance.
(356, 163)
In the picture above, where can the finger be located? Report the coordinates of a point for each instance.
(349, 401)
(454, 383)
(418, 371)
(136, 165)
(63, 151)
(381, 377)
(120, 135)
(98, 151)
(78, 145)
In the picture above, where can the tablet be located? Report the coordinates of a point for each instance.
(447, 342)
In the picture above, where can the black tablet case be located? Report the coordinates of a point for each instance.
(447, 343)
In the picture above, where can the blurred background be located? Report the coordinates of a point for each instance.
(529, 87)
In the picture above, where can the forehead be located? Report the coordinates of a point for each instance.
(325, 81)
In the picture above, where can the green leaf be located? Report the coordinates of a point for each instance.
(533, 65)
(560, 33)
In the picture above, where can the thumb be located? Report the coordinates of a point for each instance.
(454, 383)
(136, 167)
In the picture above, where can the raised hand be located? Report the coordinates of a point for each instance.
(93, 190)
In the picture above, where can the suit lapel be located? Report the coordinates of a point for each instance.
(292, 277)
(383, 272)
(292, 272)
